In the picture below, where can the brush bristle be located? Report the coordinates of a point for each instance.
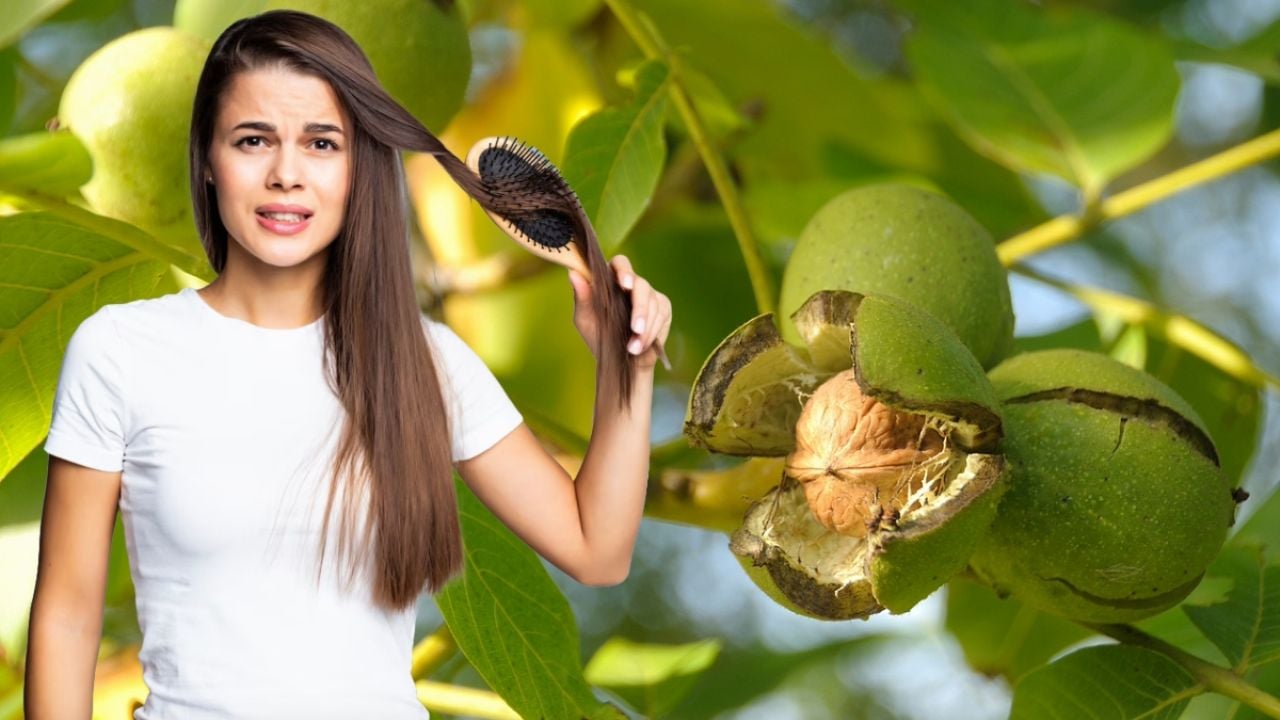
(523, 182)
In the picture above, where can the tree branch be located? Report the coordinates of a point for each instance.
(1066, 228)
(1179, 330)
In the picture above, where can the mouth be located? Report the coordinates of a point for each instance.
(283, 223)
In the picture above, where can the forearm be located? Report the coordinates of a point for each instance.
(612, 482)
(62, 653)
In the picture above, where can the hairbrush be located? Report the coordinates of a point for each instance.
(533, 204)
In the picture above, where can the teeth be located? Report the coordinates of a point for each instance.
(284, 217)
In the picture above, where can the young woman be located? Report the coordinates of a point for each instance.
(233, 423)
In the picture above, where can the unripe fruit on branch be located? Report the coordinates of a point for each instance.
(913, 244)
(1117, 503)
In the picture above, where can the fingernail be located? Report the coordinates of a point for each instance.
(638, 325)
(628, 281)
(634, 347)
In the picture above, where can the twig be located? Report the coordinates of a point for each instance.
(1212, 677)
(1065, 228)
(1179, 330)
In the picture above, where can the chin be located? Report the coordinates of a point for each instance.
(283, 252)
(289, 259)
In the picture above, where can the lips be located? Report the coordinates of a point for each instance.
(282, 227)
(283, 208)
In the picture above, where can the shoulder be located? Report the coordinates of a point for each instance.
(96, 333)
(146, 311)
(135, 322)
(442, 337)
(454, 357)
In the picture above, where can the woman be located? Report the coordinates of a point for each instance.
(219, 418)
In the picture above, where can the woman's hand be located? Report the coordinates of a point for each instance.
(650, 312)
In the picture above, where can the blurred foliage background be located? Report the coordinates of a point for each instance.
(797, 100)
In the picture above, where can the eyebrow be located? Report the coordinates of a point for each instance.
(311, 127)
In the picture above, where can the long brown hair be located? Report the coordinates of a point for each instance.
(394, 452)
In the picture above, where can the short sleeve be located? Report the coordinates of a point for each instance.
(481, 412)
(88, 405)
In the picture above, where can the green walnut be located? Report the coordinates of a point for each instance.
(913, 244)
(130, 104)
(1117, 503)
(888, 427)
(419, 49)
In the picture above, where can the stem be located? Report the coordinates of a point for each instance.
(761, 280)
(1065, 228)
(466, 701)
(1179, 330)
(1212, 677)
(432, 652)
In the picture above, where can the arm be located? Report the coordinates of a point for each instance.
(586, 527)
(66, 609)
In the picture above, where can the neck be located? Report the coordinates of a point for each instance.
(267, 296)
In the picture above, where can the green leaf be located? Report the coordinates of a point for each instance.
(8, 88)
(19, 16)
(512, 622)
(614, 157)
(1075, 94)
(1107, 682)
(1082, 335)
(1004, 636)
(22, 492)
(55, 164)
(54, 274)
(753, 54)
(759, 57)
(653, 678)
(1246, 626)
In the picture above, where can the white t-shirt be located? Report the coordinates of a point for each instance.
(223, 430)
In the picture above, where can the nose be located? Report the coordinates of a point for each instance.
(285, 172)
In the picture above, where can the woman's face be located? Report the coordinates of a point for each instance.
(281, 139)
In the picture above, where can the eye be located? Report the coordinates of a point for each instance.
(246, 139)
(332, 144)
